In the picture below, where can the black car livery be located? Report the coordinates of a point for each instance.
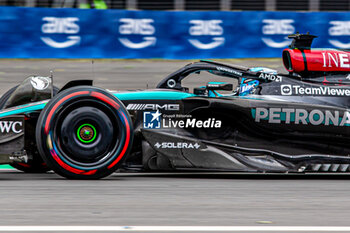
(272, 122)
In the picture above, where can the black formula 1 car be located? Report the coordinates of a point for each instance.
(295, 122)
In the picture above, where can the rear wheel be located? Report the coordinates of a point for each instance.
(35, 164)
(84, 133)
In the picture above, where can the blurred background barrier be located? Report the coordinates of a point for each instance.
(259, 5)
(27, 32)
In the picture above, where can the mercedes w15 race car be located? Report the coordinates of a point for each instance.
(272, 122)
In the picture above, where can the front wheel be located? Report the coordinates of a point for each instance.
(84, 133)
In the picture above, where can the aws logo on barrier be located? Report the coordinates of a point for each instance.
(339, 28)
(277, 29)
(137, 29)
(201, 28)
(56, 27)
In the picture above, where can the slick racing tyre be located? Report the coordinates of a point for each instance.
(84, 133)
(35, 164)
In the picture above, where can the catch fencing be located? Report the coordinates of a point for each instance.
(76, 33)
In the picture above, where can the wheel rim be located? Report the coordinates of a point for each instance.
(86, 133)
(87, 136)
(50, 140)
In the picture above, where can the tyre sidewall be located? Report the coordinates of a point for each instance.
(47, 145)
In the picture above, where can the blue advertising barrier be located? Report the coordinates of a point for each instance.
(77, 33)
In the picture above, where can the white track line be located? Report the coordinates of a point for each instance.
(177, 228)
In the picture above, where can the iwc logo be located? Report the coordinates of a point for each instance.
(11, 127)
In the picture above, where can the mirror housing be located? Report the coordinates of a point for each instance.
(32, 89)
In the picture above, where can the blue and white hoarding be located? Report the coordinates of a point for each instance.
(78, 33)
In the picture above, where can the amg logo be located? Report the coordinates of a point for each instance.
(11, 126)
(154, 107)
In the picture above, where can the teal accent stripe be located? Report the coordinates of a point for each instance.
(6, 166)
(253, 111)
(217, 82)
(137, 95)
(153, 95)
(248, 97)
(305, 61)
(134, 95)
(22, 109)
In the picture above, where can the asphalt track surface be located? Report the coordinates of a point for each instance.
(130, 199)
(111, 74)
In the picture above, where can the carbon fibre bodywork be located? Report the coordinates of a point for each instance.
(266, 128)
(272, 122)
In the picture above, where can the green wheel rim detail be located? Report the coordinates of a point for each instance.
(86, 141)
